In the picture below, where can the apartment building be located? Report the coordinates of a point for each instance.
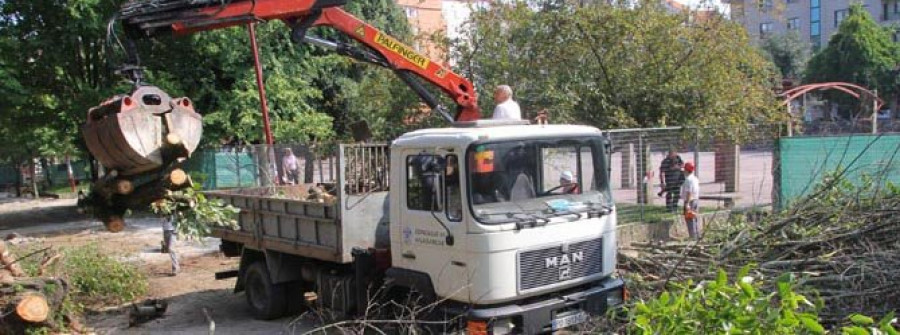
(814, 19)
(426, 19)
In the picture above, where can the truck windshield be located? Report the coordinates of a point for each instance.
(535, 179)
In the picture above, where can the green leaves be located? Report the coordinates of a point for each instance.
(790, 52)
(861, 52)
(741, 306)
(195, 214)
(619, 66)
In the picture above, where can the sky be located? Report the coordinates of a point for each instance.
(693, 3)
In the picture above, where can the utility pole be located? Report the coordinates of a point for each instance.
(875, 112)
(269, 161)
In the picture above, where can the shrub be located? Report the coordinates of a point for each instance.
(741, 306)
(721, 306)
(97, 277)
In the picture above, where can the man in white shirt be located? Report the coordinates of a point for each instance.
(507, 108)
(690, 192)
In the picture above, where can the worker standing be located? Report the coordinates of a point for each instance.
(168, 243)
(291, 167)
(507, 108)
(671, 178)
(690, 192)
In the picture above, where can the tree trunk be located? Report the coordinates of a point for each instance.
(32, 307)
(34, 183)
(30, 302)
(309, 158)
(93, 163)
(18, 168)
(45, 171)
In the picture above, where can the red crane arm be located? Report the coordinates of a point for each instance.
(398, 56)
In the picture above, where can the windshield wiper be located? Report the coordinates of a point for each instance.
(530, 221)
(593, 209)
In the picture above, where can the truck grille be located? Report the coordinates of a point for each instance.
(552, 265)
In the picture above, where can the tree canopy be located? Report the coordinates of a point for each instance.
(57, 59)
(789, 52)
(604, 65)
(861, 52)
(619, 65)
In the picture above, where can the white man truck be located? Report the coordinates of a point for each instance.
(472, 218)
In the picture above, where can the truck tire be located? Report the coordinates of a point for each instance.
(266, 300)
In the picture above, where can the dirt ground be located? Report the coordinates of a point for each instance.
(56, 223)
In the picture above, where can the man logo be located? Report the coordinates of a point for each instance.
(565, 273)
(564, 260)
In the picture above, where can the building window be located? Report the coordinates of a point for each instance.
(765, 29)
(411, 12)
(840, 15)
(793, 23)
(891, 11)
(815, 24)
(766, 5)
(792, 1)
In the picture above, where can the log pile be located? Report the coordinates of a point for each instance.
(27, 302)
(843, 246)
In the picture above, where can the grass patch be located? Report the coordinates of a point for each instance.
(95, 276)
(631, 213)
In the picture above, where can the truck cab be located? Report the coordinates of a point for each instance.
(514, 221)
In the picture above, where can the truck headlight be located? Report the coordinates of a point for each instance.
(496, 327)
(615, 298)
(502, 326)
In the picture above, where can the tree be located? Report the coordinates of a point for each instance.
(789, 52)
(861, 52)
(59, 52)
(619, 65)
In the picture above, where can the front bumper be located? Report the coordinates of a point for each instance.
(536, 316)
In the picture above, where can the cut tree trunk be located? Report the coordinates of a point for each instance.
(29, 302)
(32, 307)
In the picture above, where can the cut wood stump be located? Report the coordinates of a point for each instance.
(114, 223)
(32, 307)
(30, 302)
(178, 177)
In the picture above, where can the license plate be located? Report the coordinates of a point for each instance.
(569, 320)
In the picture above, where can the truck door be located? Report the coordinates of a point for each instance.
(431, 210)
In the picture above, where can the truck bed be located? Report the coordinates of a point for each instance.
(279, 218)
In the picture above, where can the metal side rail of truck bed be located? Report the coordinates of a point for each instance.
(281, 218)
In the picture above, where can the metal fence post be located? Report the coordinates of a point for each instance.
(628, 166)
(697, 152)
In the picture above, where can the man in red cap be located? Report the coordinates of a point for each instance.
(690, 192)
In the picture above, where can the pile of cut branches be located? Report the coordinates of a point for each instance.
(842, 242)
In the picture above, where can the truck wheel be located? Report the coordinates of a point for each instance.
(266, 300)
